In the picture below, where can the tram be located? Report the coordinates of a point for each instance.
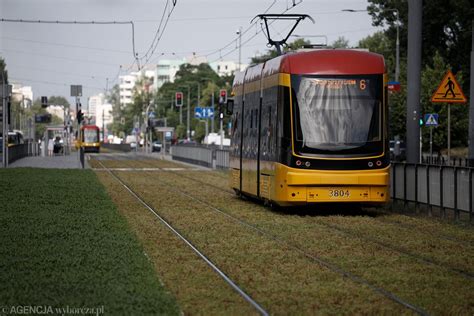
(89, 138)
(311, 127)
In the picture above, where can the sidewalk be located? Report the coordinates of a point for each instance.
(54, 162)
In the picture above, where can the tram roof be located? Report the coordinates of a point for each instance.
(332, 62)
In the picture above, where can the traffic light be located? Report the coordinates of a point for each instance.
(44, 102)
(179, 99)
(223, 96)
(421, 122)
(80, 117)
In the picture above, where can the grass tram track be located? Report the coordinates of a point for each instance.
(447, 290)
(213, 266)
(423, 258)
(313, 258)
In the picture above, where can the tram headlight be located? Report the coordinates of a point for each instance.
(307, 164)
(298, 163)
(370, 164)
(378, 163)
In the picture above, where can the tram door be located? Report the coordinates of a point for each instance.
(250, 142)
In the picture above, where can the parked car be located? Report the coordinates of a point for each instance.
(156, 146)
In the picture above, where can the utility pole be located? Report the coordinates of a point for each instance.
(414, 79)
(471, 105)
(103, 125)
(240, 47)
(212, 105)
(188, 119)
(5, 95)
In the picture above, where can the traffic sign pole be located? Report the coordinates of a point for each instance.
(431, 143)
(449, 134)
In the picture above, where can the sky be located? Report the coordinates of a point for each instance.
(51, 57)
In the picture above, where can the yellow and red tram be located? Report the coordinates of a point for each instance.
(311, 127)
(89, 138)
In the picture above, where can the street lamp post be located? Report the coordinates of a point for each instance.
(397, 53)
(239, 32)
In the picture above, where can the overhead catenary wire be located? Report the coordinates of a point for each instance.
(247, 30)
(65, 45)
(131, 23)
(80, 23)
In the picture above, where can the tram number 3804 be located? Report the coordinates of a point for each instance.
(338, 193)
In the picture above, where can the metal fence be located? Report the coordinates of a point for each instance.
(19, 151)
(442, 160)
(441, 186)
(117, 147)
(210, 157)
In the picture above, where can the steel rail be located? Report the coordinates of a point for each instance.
(227, 279)
(313, 258)
(423, 259)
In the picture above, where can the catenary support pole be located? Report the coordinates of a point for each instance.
(471, 104)
(414, 79)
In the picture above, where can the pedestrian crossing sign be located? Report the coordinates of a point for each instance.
(449, 90)
(431, 119)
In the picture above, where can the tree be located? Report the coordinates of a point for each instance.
(40, 128)
(297, 44)
(446, 28)
(341, 42)
(187, 79)
(113, 97)
(3, 71)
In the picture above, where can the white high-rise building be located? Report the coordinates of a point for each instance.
(100, 112)
(104, 117)
(166, 70)
(226, 67)
(94, 102)
(127, 83)
(23, 94)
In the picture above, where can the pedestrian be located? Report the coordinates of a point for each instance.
(50, 147)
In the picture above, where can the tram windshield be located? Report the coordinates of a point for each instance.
(91, 135)
(338, 114)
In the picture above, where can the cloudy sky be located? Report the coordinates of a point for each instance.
(51, 57)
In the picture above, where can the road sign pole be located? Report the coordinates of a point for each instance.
(431, 143)
(449, 134)
(421, 146)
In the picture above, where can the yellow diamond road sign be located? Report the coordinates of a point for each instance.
(449, 90)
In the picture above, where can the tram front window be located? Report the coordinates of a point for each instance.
(338, 115)
(91, 136)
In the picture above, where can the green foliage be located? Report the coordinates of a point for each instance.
(341, 42)
(297, 44)
(3, 71)
(58, 100)
(446, 45)
(190, 78)
(446, 28)
(113, 97)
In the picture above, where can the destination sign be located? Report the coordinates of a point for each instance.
(337, 84)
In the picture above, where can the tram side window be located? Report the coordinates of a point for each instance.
(251, 119)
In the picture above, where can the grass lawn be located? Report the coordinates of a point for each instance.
(64, 244)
